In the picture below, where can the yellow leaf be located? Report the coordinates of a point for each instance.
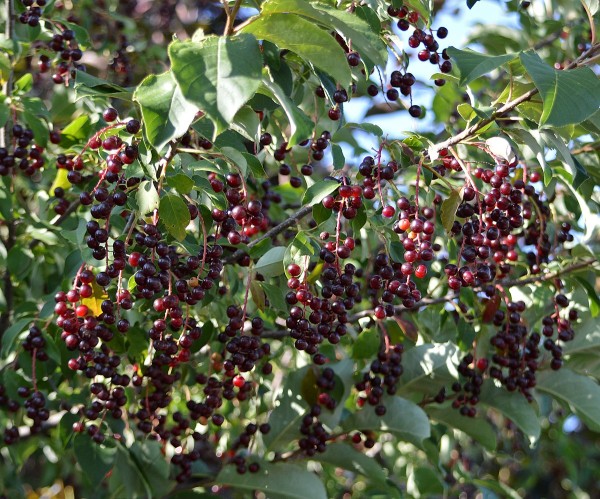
(94, 302)
(60, 181)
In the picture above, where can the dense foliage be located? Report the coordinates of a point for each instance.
(214, 283)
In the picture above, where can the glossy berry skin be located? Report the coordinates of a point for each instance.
(334, 113)
(110, 114)
(415, 111)
(388, 211)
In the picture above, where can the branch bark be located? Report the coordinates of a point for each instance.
(278, 229)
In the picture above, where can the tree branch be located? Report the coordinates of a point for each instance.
(231, 15)
(509, 106)
(278, 229)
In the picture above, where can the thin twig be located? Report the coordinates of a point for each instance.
(231, 15)
(278, 229)
(509, 106)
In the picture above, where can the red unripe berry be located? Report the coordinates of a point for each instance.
(239, 381)
(482, 364)
(324, 398)
(134, 258)
(421, 271)
(334, 113)
(110, 114)
(328, 202)
(388, 211)
(294, 269)
(379, 312)
(82, 310)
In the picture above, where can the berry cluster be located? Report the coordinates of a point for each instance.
(468, 392)
(315, 435)
(24, 155)
(33, 12)
(67, 55)
(312, 319)
(34, 343)
(381, 378)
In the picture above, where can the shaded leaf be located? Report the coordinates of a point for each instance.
(276, 480)
(166, 113)
(473, 64)
(403, 418)
(579, 392)
(301, 125)
(218, 74)
(95, 460)
(175, 215)
(348, 458)
(569, 96)
(318, 191)
(271, 263)
(514, 406)
(292, 32)
(448, 209)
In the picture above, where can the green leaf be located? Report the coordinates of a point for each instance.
(166, 113)
(366, 41)
(351, 27)
(256, 167)
(284, 419)
(587, 338)
(448, 209)
(427, 481)
(175, 214)
(301, 125)
(346, 457)
(403, 418)
(237, 158)
(87, 85)
(514, 406)
(76, 131)
(299, 251)
(369, 128)
(12, 333)
(149, 459)
(569, 96)
(479, 429)
(338, 157)
(318, 191)
(572, 165)
(292, 32)
(219, 74)
(24, 84)
(580, 393)
(424, 361)
(95, 460)
(277, 480)
(366, 344)
(126, 475)
(181, 182)
(275, 296)
(147, 198)
(472, 64)
(246, 123)
(533, 140)
(38, 126)
(271, 263)
(594, 300)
